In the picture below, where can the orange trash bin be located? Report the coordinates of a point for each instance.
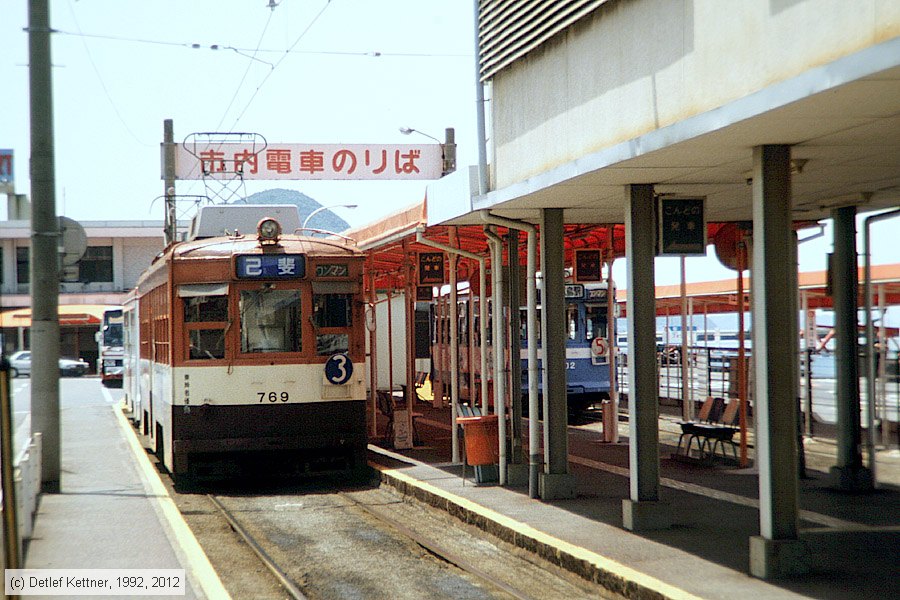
(482, 439)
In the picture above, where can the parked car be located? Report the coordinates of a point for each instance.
(20, 364)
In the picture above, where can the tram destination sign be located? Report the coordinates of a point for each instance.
(270, 266)
(682, 226)
(574, 290)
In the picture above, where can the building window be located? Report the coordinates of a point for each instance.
(22, 260)
(96, 265)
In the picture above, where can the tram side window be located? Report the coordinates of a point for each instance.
(572, 321)
(523, 325)
(595, 317)
(332, 311)
(270, 321)
(208, 342)
(200, 309)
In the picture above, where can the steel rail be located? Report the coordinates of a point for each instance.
(438, 550)
(286, 582)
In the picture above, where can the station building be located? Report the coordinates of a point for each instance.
(117, 253)
(772, 113)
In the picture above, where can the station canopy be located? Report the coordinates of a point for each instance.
(391, 242)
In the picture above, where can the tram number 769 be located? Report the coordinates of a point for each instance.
(273, 396)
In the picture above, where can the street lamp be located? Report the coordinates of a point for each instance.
(321, 208)
(448, 147)
(410, 130)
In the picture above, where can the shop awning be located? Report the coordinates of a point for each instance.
(69, 315)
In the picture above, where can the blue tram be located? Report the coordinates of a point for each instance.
(588, 347)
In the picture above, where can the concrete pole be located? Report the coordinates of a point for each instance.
(777, 551)
(44, 251)
(453, 251)
(498, 343)
(171, 225)
(534, 460)
(556, 482)
(480, 127)
(612, 436)
(642, 510)
(454, 350)
(882, 380)
(687, 406)
(848, 473)
(515, 354)
(373, 342)
(410, 290)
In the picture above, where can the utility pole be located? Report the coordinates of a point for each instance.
(169, 180)
(44, 251)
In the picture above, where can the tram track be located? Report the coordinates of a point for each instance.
(442, 552)
(429, 554)
(289, 585)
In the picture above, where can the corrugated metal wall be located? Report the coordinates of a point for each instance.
(509, 29)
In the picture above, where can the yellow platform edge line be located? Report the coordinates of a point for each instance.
(198, 563)
(603, 563)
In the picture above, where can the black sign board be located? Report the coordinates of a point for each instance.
(424, 293)
(682, 226)
(588, 265)
(431, 268)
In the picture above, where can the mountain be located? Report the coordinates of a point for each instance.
(325, 220)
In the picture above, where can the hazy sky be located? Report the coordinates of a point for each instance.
(344, 71)
(121, 68)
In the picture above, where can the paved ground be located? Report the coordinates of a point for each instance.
(714, 508)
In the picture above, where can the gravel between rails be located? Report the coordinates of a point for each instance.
(336, 549)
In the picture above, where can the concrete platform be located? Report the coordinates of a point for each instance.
(113, 512)
(851, 539)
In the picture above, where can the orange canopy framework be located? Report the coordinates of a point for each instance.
(391, 242)
(69, 315)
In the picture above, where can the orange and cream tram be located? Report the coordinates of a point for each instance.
(246, 350)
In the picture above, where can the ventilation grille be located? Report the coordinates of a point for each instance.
(509, 29)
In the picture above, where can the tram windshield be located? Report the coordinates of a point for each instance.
(270, 321)
(595, 318)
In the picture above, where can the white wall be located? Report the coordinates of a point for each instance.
(636, 66)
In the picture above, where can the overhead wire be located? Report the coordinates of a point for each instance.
(247, 70)
(240, 50)
(280, 60)
(109, 97)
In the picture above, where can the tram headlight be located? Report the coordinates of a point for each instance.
(268, 231)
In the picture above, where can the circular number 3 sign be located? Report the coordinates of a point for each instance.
(338, 369)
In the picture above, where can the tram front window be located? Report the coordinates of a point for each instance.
(332, 311)
(270, 321)
(595, 317)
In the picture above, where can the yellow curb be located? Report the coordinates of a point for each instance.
(198, 563)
